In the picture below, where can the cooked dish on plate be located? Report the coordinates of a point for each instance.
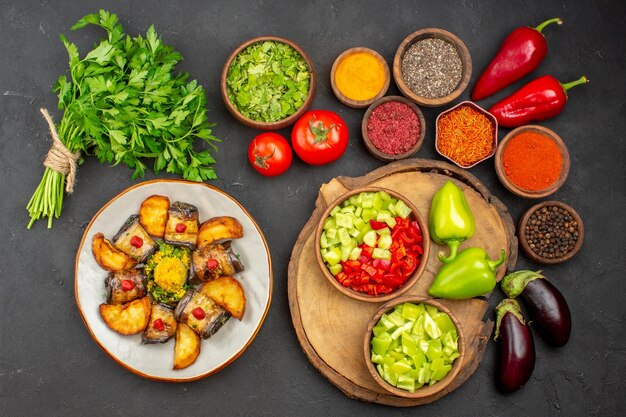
(156, 263)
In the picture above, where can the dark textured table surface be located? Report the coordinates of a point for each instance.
(49, 365)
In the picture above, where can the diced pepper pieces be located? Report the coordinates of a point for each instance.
(402, 348)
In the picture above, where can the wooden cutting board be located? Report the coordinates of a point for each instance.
(331, 327)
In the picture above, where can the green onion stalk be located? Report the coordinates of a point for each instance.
(47, 201)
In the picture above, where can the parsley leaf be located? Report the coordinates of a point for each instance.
(123, 103)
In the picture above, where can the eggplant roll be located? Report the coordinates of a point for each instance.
(200, 313)
(120, 292)
(162, 325)
(133, 240)
(182, 225)
(214, 261)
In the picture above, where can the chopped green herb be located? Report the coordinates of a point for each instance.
(268, 81)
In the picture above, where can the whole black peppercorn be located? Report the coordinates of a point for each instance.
(551, 232)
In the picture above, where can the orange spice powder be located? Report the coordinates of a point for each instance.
(465, 135)
(532, 161)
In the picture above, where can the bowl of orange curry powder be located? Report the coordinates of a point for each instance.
(532, 161)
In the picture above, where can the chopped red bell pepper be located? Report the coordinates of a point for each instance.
(381, 276)
(376, 225)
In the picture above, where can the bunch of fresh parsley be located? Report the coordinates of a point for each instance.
(268, 81)
(123, 103)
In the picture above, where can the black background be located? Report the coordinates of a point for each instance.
(50, 366)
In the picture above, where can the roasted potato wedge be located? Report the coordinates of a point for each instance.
(108, 257)
(130, 318)
(227, 293)
(187, 347)
(218, 228)
(153, 214)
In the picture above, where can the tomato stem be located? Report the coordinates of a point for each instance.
(320, 131)
(260, 160)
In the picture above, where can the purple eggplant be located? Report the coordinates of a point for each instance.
(517, 350)
(546, 305)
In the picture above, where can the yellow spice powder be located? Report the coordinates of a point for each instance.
(170, 274)
(360, 76)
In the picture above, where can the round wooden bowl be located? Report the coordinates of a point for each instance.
(426, 390)
(279, 124)
(489, 116)
(381, 155)
(461, 49)
(528, 252)
(359, 295)
(521, 192)
(358, 104)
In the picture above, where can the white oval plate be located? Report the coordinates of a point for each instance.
(156, 361)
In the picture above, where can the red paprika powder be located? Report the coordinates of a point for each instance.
(532, 161)
(393, 128)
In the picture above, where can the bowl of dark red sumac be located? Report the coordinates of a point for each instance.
(393, 128)
(550, 232)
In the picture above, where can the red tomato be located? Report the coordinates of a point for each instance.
(159, 325)
(319, 137)
(136, 241)
(212, 263)
(127, 285)
(181, 227)
(270, 154)
(198, 313)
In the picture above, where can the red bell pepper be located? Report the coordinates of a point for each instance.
(522, 52)
(540, 99)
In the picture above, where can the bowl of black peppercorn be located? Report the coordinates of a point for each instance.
(550, 232)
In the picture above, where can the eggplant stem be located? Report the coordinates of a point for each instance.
(508, 305)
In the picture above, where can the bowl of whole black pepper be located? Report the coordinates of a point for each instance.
(432, 67)
(550, 232)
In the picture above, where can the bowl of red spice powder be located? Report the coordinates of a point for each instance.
(532, 161)
(393, 128)
(466, 134)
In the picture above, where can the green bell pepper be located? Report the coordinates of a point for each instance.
(451, 220)
(469, 274)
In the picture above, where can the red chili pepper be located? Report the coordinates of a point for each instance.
(522, 52)
(136, 241)
(127, 285)
(538, 100)
(198, 313)
(158, 324)
(181, 227)
(212, 263)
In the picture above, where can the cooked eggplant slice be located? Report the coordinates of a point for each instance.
(162, 325)
(124, 286)
(213, 261)
(182, 225)
(200, 313)
(133, 240)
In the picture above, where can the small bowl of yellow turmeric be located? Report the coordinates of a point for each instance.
(359, 76)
